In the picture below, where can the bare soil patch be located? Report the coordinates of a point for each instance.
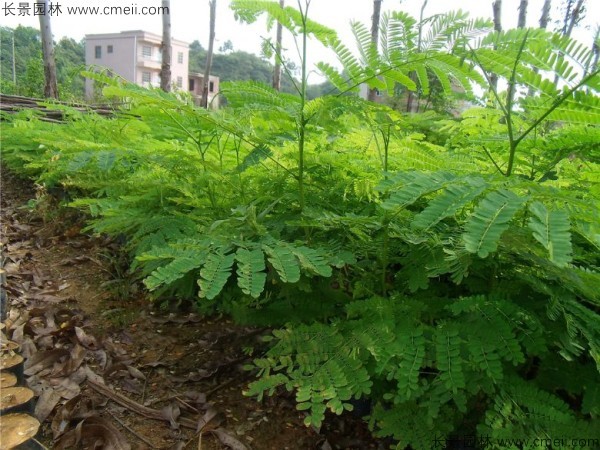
(112, 371)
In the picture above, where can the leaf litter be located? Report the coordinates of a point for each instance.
(158, 380)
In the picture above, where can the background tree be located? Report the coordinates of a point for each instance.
(412, 104)
(545, 17)
(226, 47)
(375, 38)
(51, 84)
(522, 14)
(497, 14)
(70, 61)
(595, 51)
(29, 69)
(165, 69)
(209, 55)
(574, 13)
(277, 68)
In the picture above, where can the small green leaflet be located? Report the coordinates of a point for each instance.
(448, 203)
(551, 229)
(251, 271)
(284, 262)
(489, 220)
(214, 274)
(312, 260)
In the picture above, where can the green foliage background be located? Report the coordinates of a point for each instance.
(70, 61)
(444, 268)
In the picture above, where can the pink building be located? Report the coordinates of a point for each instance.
(137, 56)
(195, 88)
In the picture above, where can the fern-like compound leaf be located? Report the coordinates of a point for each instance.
(408, 371)
(449, 360)
(284, 262)
(489, 220)
(251, 274)
(551, 229)
(448, 203)
(312, 260)
(413, 186)
(173, 271)
(106, 160)
(214, 274)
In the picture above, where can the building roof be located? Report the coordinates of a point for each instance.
(134, 33)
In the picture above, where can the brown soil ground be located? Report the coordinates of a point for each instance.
(82, 324)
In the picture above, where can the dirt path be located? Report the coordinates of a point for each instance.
(110, 369)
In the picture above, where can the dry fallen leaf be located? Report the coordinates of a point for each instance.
(86, 340)
(93, 432)
(43, 360)
(171, 412)
(46, 404)
(135, 373)
(75, 409)
(227, 439)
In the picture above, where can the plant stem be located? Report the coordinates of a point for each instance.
(513, 143)
(303, 121)
(384, 259)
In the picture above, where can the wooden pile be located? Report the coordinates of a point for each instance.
(17, 425)
(50, 110)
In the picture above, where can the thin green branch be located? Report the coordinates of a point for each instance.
(489, 80)
(489, 155)
(557, 103)
(509, 105)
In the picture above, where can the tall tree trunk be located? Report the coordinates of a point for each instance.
(545, 18)
(375, 38)
(412, 99)
(50, 85)
(209, 54)
(277, 68)
(593, 63)
(572, 18)
(596, 49)
(165, 69)
(497, 9)
(522, 14)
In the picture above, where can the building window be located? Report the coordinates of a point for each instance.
(146, 77)
(109, 49)
(98, 51)
(180, 57)
(147, 51)
(179, 81)
(191, 85)
(211, 86)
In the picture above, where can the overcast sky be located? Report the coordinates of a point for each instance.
(190, 19)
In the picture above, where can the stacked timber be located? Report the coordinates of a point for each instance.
(17, 425)
(51, 110)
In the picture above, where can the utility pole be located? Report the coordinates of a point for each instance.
(14, 71)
